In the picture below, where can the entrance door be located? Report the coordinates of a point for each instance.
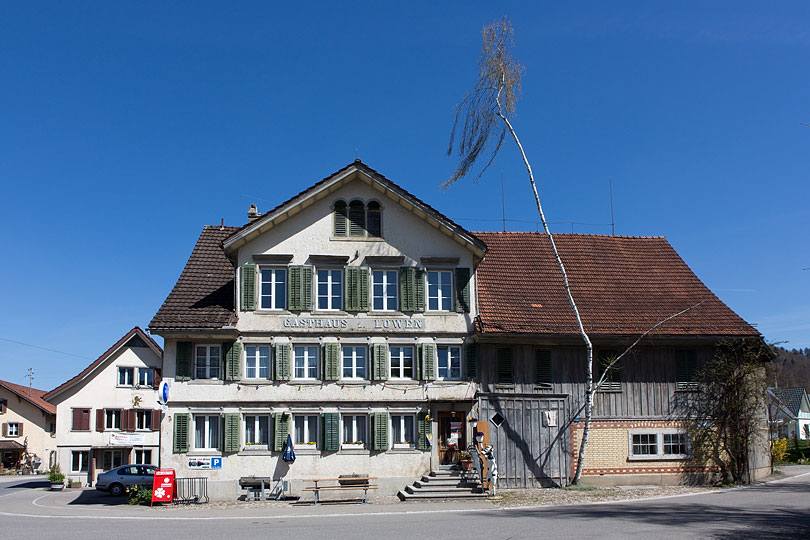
(452, 436)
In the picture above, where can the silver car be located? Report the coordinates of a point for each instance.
(119, 479)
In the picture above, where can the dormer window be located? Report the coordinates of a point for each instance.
(357, 219)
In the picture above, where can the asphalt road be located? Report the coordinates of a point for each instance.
(776, 510)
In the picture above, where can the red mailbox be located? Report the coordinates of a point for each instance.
(163, 486)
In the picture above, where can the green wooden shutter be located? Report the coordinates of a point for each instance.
(417, 362)
(379, 352)
(183, 361)
(306, 288)
(352, 299)
(331, 361)
(407, 289)
(181, 425)
(424, 429)
(340, 218)
(471, 361)
(232, 433)
(299, 289)
(281, 428)
(419, 290)
(331, 432)
(362, 289)
(503, 361)
(463, 290)
(428, 362)
(379, 438)
(685, 369)
(282, 362)
(247, 280)
(233, 356)
(542, 368)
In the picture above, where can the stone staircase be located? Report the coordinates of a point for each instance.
(445, 483)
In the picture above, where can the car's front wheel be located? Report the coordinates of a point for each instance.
(116, 490)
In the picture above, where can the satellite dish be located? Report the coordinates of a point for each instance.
(163, 392)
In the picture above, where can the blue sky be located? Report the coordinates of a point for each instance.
(127, 127)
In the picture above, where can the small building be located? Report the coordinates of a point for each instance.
(28, 425)
(108, 414)
(790, 412)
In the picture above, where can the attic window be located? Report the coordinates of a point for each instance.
(357, 220)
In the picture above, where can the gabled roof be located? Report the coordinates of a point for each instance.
(31, 395)
(202, 298)
(351, 172)
(790, 398)
(89, 370)
(622, 286)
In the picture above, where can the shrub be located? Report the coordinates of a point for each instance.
(56, 476)
(139, 495)
(779, 450)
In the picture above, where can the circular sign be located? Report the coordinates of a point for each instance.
(163, 392)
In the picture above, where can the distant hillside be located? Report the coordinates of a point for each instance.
(790, 368)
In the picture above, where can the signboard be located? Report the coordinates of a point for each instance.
(163, 392)
(127, 439)
(205, 462)
(163, 486)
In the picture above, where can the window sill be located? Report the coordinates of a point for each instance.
(658, 458)
(351, 450)
(356, 239)
(448, 381)
(261, 382)
(250, 452)
(205, 381)
(308, 382)
(306, 449)
(401, 381)
(353, 382)
(404, 450)
(204, 452)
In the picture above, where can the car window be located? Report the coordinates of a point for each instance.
(128, 471)
(145, 471)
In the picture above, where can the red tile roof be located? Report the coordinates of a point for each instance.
(202, 298)
(622, 286)
(32, 395)
(86, 371)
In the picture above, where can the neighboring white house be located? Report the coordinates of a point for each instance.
(790, 412)
(107, 415)
(26, 422)
(341, 318)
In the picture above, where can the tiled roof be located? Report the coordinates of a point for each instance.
(86, 371)
(790, 398)
(32, 395)
(622, 286)
(203, 294)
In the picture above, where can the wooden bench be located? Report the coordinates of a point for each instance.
(343, 483)
(257, 487)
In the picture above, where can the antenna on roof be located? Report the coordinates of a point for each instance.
(612, 228)
(30, 379)
(503, 205)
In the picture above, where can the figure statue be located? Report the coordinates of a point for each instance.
(492, 469)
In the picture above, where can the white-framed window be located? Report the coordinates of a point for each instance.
(111, 459)
(13, 429)
(273, 288)
(207, 361)
(449, 363)
(112, 419)
(306, 429)
(403, 430)
(257, 361)
(143, 420)
(143, 457)
(355, 362)
(354, 431)
(306, 362)
(330, 290)
(257, 431)
(79, 461)
(384, 290)
(206, 432)
(401, 359)
(658, 444)
(146, 376)
(126, 376)
(440, 290)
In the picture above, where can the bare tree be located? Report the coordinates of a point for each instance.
(482, 122)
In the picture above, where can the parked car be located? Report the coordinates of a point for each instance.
(119, 479)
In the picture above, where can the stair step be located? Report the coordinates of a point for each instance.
(449, 489)
(446, 483)
(405, 496)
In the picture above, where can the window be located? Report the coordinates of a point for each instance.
(306, 362)
(206, 432)
(440, 290)
(401, 362)
(143, 457)
(357, 219)
(146, 377)
(143, 420)
(80, 461)
(330, 290)
(257, 361)
(3, 406)
(659, 444)
(542, 369)
(273, 288)
(13, 429)
(402, 430)
(686, 369)
(112, 419)
(306, 429)
(81, 420)
(355, 432)
(111, 459)
(206, 362)
(341, 218)
(126, 376)
(613, 381)
(384, 290)
(449, 363)
(257, 432)
(374, 220)
(503, 361)
(354, 363)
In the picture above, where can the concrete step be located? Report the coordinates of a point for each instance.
(405, 496)
(441, 489)
(450, 482)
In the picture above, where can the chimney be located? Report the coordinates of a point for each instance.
(253, 213)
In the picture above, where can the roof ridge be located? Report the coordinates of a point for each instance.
(590, 235)
(32, 395)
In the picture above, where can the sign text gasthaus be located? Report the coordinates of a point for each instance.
(354, 323)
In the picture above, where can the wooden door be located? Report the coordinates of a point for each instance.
(452, 436)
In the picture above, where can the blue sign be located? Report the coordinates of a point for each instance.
(216, 462)
(163, 392)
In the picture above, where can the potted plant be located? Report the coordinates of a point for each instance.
(56, 478)
(465, 460)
